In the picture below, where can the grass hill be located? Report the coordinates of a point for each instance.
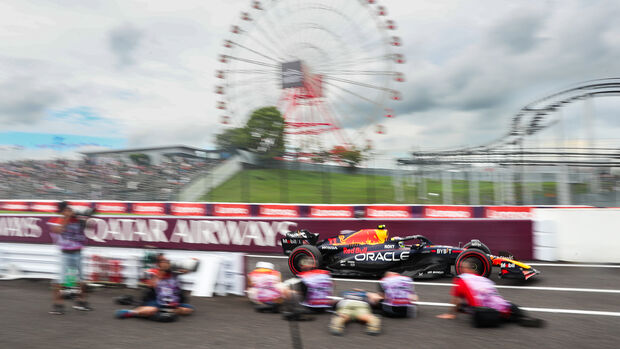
(275, 185)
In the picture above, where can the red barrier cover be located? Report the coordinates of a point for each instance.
(188, 209)
(111, 207)
(278, 211)
(508, 212)
(15, 206)
(448, 212)
(79, 205)
(231, 210)
(150, 208)
(331, 212)
(388, 212)
(43, 206)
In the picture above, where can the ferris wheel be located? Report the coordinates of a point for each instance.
(329, 66)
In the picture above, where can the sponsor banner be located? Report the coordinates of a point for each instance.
(448, 212)
(388, 212)
(188, 209)
(278, 211)
(508, 212)
(331, 211)
(149, 208)
(111, 207)
(44, 206)
(231, 210)
(14, 206)
(263, 234)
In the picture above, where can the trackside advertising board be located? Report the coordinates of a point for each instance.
(272, 210)
(263, 234)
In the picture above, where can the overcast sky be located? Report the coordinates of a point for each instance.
(136, 73)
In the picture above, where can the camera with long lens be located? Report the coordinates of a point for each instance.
(83, 216)
(188, 265)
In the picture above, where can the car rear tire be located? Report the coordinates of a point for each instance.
(481, 263)
(479, 245)
(301, 252)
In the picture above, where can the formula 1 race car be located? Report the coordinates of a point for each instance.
(369, 253)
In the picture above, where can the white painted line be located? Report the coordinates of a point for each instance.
(266, 256)
(575, 265)
(534, 288)
(561, 289)
(573, 311)
(435, 304)
(541, 310)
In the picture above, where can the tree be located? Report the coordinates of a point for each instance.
(232, 139)
(140, 159)
(263, 134)
(265, 129)
(350, 156)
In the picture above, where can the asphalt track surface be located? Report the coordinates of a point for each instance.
(557, 296)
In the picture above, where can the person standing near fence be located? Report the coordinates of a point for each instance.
(68, 233)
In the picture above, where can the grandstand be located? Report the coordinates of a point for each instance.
(146, 174)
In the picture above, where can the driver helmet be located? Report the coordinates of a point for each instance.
(265, 265)
(382, 232)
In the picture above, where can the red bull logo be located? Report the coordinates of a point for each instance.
(355, 250)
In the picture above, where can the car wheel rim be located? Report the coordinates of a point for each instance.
(476, 264)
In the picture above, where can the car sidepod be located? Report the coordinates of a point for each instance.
(370, 258)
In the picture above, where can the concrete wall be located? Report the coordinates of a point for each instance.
(589, 235)
(217, 176)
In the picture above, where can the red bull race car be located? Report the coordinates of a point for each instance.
(370, 253)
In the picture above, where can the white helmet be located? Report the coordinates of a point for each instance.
(265, 265)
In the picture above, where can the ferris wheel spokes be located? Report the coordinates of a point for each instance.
(251, 61)
(326, 64)
(254, 51)
(358, 83)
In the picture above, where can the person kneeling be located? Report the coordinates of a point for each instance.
(165, 300)
(265, 288)
(477, 295)
(397, 295)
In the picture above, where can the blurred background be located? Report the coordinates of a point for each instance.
(311, 102)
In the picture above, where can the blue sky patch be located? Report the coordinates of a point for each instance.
(82, 115)
(57, 141)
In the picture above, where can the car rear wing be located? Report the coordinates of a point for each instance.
(297, 238)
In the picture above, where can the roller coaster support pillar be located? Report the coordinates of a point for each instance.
(474, 188)
(563, 186)
(446, 187)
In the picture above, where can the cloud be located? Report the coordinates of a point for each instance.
(25, 95)
(518, 34)
(23, 103)
(124, 41)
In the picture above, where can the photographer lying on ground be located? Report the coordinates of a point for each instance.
(165, 300)
(355, 307)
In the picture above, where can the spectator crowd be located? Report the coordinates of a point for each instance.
(84, 180)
